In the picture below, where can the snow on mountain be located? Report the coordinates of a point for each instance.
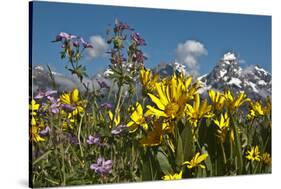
(228, 74)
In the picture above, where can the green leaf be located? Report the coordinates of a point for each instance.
(179, 149)
(146, 168)
(164, 162)
(187, 143)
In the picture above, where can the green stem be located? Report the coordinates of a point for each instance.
(119, 94)
(223, 152)
(79, 133)
(63, 164)
(237, 146)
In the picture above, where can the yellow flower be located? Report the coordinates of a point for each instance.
(137, 119)
(35, 129)
(147, 79)
(73, 100)
(253, 154)
(170, 100)
(217, 98)
(223, 126)
(176, 176)
(235, 102)
(35, 136)
(266, 159)
(196, 112)
(155, 136)
(117, 118)
(33, 107)
(256, 110)
(196, 161)
(185, 83)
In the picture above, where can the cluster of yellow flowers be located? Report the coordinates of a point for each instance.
(176, 98)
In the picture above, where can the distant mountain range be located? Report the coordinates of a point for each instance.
(227, 74)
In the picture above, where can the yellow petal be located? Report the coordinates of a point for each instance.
(161, 94)
(156, 112)
(65, 98)
(202, 158)
(157, 101)
(75, 95)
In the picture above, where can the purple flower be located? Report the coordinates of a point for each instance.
(86, 44)
(102, 167)
(93, 140)
(67, 107)
(45, 131)
(137, 39)
(54, 107)
(117, 130)
(119, 26)
(106, 106)
(64, 36)
(76, 43)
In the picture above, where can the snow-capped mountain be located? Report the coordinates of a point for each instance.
(227, 74)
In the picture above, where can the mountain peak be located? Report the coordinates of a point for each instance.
(229, 57)
(228, 74)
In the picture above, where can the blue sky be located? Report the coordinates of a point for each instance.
(247, 35)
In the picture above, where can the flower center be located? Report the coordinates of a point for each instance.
(172, 109)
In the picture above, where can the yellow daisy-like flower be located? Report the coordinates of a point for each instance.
(197, 111)
(217, 98)
(72, 99)
(223, 126)
(256, 110)
(176, 176)
(34, 130)
(196, 161)
(35, 136)
(170, 99)
(253, 154)
(234, 102)
(137, 119)
(147, 79)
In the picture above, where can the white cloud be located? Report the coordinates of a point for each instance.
(99, 46)
(188, 53)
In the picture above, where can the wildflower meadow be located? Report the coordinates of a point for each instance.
(145, 126)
